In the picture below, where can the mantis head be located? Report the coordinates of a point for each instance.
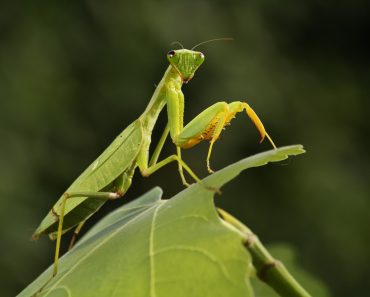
(186, 62)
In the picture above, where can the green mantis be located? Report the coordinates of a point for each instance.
(110, 175)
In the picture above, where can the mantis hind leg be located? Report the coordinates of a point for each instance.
(209, 124)
(60, 218)
(149, 167)
(146, 171)
(75, 234)
(120, 186)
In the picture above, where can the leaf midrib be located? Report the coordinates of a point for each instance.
(152, 253)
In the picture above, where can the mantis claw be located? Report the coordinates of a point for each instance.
(185, 183)
(183, 179)
(210, 171)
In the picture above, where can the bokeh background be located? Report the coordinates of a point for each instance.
(73, 74)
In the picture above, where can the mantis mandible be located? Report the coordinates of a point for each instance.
(110, 175)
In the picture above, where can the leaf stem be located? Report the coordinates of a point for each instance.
(268, 269)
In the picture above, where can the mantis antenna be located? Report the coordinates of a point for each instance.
(178, 43)
(211, 40)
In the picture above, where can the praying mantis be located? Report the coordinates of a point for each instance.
(110, 175)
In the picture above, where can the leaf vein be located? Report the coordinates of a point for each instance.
(201, 251)
(152, 253)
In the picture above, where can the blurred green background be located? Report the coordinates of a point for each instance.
(73, 74)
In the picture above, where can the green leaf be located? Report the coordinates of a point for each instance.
(153, 247)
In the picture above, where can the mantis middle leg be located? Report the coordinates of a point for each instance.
(149, 167)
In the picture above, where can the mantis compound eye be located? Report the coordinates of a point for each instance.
(201, 55)
(171, 53)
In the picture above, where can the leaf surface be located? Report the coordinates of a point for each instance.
(158, 248)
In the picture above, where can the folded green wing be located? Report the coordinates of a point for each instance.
(102, 172)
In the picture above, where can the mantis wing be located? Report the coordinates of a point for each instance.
(99, 175)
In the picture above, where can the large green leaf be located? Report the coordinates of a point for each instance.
(153, 247)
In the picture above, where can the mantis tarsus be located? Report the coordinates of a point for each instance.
(110, 175)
